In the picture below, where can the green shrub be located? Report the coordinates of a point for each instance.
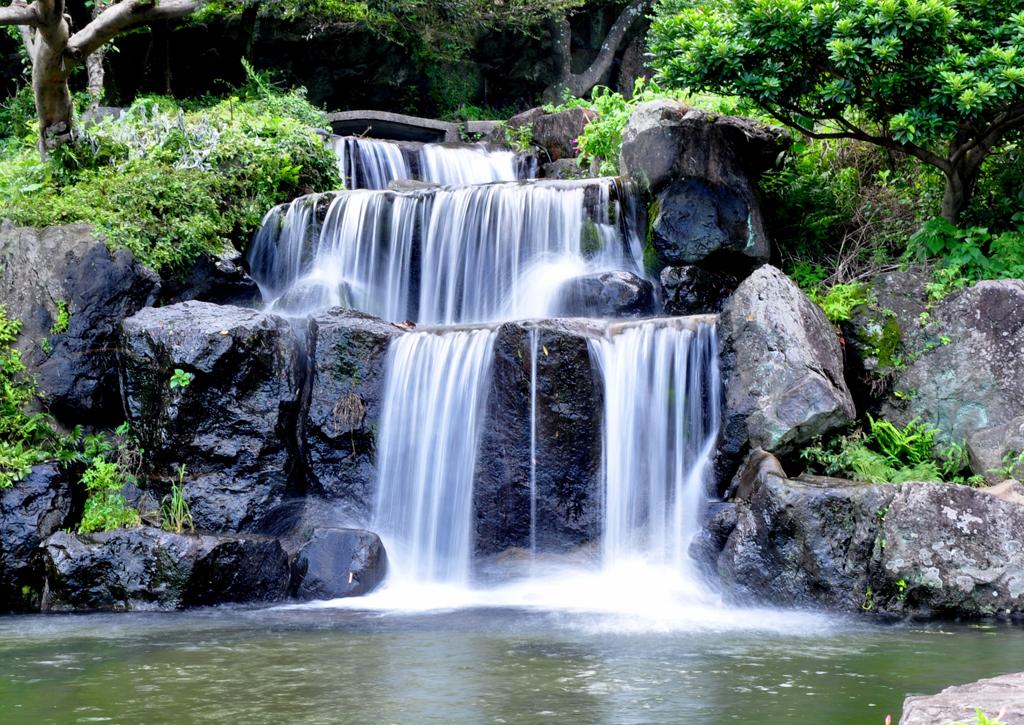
(172, 185)
(105, 508)
(842, 299)
(175, 513)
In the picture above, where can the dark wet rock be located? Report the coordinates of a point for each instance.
(568, 442)
(555, 132)
(665, 141)
(782, 367)
(39, 505)
(702, 170)
(606, 295)
(150, 569)
(221, 280)
(234, 426)
(957, 551)
(564, 169)
(692, 290)
(701, 221)
(349, 361)
(804, 543)
(996, 452)
(70, 268)
(967, 372)
(339, 563)
(999, 698)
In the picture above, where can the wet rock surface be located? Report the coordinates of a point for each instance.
(568, 435)
(348, 366)
(71, 295)
(150, 569)
(39, 505)
(691, 290)
(608, 295)
(337, 563)
(556, 133)
(233, 426)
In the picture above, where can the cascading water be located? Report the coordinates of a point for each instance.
(367, 163)
(448, 256)
(433, 407)
(661, 424)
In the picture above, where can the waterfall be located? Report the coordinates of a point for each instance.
(434, 401)
(443, 256)
(661, 424)
(366, 163)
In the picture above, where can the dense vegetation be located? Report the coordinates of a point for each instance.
(172, 181)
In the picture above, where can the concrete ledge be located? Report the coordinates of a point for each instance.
(392, 126)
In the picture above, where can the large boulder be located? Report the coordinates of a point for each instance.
(782, 367)
(999, 698)
(234, 425)
(338, 563)
(349, 361)
(37, 506)
(968, 372)
(71, 294)
(150, 569)
(804, 543)
(568, 441)
(702, 170)
(555, 132)
(221, 280)
(606, 294)
(922, 549)
(950, 550)
(692, 290)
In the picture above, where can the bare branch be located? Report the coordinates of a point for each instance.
(123, 16)
(28, 40)
(20, 13)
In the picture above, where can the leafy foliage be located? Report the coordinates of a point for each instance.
(172, 185)
(889, 454)
(175, 512)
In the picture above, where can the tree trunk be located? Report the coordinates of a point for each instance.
(50, 73)
(960, 183)
(578, 84)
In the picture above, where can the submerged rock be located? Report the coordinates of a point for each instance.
(37, 506)
(782, 367)
(150, 569)
(966, 373)
(233, 425)
(606, 294)
(999, 698)
(337, 563)
(71, 294)
(568, 435)
(348, 362)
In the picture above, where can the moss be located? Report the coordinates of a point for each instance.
(652, 260)
(590, 242)
(888, 342)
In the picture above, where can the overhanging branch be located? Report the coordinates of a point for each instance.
(20, 13)
(123, 16)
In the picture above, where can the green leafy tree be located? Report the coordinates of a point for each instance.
(941, 80)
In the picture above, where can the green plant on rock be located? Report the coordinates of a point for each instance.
(176, 514)
(105, 507)
(887, 453)
(980, 718)
(841, 300)
(181, 379)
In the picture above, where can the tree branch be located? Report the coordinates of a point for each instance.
(20, 13)
(28, 40)
(123, 16)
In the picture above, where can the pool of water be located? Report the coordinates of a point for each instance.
(479, 665)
